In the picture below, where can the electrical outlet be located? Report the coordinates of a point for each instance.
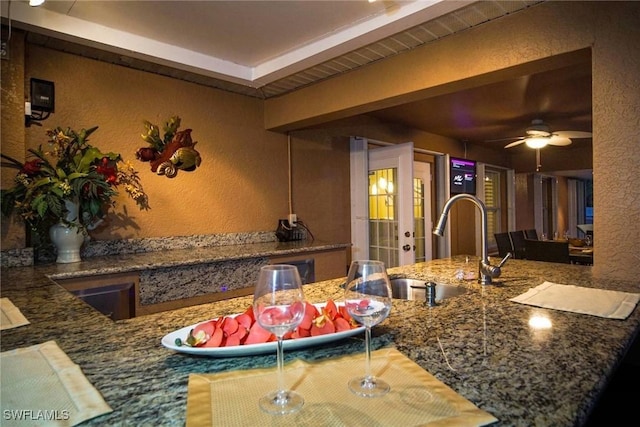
(293, 219)
(4, 51)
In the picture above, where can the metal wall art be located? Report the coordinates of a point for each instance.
(172, 152)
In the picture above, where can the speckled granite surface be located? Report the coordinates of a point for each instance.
(179, 258)
(101, 248)
(173, 283)
(177, 273)
(479, 343)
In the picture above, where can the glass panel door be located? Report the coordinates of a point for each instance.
(390, 198)
(383, 216)
(390, 204)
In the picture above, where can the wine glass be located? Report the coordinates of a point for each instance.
(367, 297)
(278, 306)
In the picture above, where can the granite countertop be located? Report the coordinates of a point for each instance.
(111, 264)
(479, 343)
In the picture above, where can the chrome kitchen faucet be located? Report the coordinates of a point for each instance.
(486, 271)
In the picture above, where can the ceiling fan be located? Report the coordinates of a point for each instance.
(539, 135)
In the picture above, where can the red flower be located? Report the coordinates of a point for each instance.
(31, 167)
(110, 172)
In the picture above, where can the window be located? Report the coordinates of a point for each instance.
(492, 200)
(588, 204)
(419, 219)
(383, 223)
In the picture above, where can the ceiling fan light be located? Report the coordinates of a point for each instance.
(535, 133)
(537, 142)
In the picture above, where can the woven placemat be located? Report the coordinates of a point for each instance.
(41, 386)
(416, 397)
(10, 315)
(577, 299)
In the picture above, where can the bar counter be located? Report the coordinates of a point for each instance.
(479, 343)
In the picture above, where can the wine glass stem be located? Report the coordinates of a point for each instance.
(280, 357)
(367, 345)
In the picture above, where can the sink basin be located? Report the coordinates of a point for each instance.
(414, 289)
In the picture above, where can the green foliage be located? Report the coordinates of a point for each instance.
(70, 169)
(152, 133)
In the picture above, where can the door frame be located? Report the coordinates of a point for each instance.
(400, 158)
(359, 169)
(424, 171)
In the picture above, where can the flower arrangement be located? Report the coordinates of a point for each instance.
(70, 170)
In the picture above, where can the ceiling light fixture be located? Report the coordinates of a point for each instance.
(537, 141)
(36, 2)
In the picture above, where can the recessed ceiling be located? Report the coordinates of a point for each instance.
(260, 48)
(246, 42)
(269, 48)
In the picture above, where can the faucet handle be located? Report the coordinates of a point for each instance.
(504, 260)
(491, 271)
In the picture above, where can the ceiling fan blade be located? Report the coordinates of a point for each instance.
(573, 134)
(504, 139)
(559, 140)
(514, 143)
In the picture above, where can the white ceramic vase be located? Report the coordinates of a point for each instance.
(68, 239)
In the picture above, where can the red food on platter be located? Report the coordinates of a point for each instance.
(245, 320)
(216, 338)
(301, 333)
(342, 324)
(231, 340)
(229, 326)
(310, 313)
(330, 309)
(258, 335)
(207, 327)
(322, 328)
(243, 329)
(344, 313)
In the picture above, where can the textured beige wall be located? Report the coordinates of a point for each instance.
(616, 141)
(242, 184)
(609, 29)
(12, 129)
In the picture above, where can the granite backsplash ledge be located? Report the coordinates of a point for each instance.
(161, 285)
(96, 248)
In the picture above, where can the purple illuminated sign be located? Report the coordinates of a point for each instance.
(463, 176)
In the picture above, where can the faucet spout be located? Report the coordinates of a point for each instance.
(485, 270)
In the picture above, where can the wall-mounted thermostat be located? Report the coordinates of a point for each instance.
(42, 95)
